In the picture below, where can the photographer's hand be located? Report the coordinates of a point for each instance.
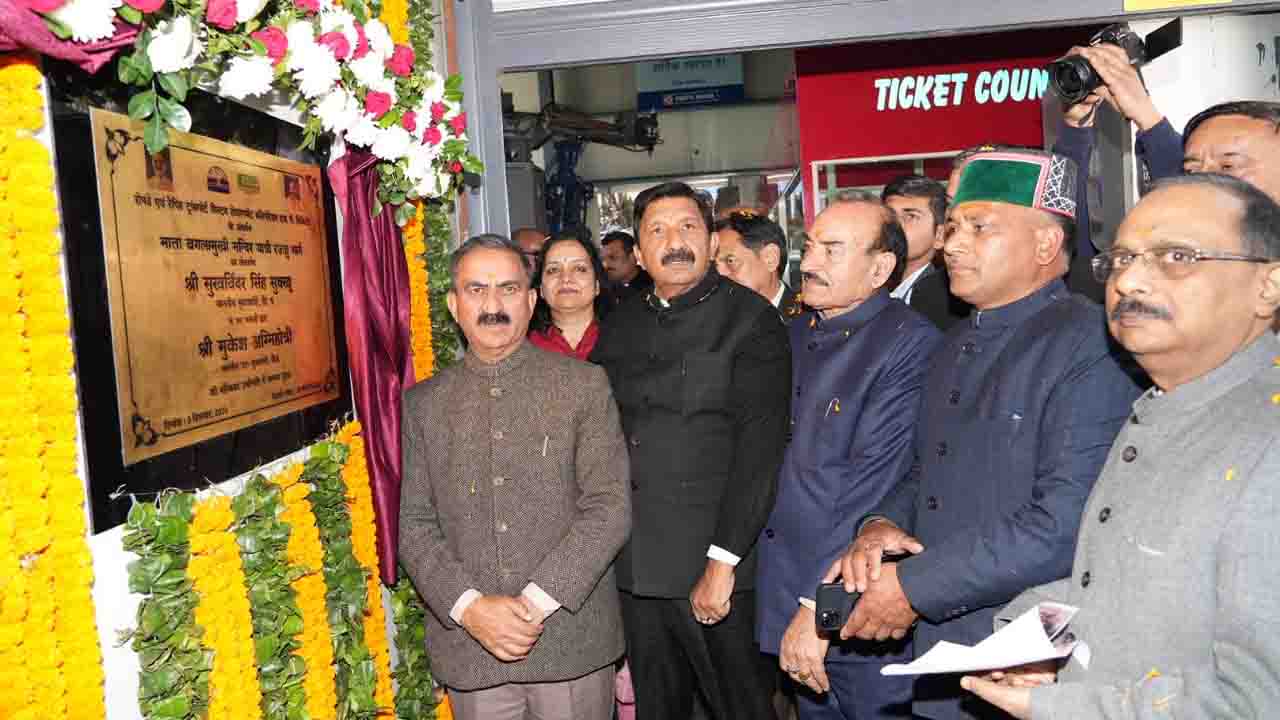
(1123, 87)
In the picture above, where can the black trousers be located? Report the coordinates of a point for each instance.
(672, 656)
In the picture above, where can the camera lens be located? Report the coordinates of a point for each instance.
(828, 617)
(1073, 78)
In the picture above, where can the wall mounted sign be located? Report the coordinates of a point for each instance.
(689, 82)
(218, 286)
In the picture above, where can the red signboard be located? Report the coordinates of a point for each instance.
(922, 96)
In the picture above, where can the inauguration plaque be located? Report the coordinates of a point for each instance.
(218, 286)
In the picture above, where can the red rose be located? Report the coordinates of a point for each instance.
(337, 44)
(311, 6)
(401, 62)
(221, 13)
(276, 42)
(377, 103)
(438, 110)
(456, 166)
(432, 136)
(459, 123)
(409, 121)
(143, 6)
(362, 43)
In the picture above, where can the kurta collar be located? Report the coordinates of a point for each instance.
(1019, 310)
(853, 320)
(705, 288)
(500, 368)
(1155, 406)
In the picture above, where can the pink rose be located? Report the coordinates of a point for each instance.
(401, 62)
(409, 121)
(337, 44)
(459, 123)
(221, 13)
(432, 136)
(377, 103)
(438, 110)
(275, 40)
(362, 43)
(142, 6)
(456, 166)
(311, 6)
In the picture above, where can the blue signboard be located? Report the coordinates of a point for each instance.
(689, 82)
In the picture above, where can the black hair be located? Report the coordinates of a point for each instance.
(1256, 109)
(627, 239)
(542, 311)
(757, 232)
(891, 238)
(1260, 221)
(672, 190)
(488, 241)
(919, 186)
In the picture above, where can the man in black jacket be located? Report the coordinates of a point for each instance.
(701, 369)
(921, 206)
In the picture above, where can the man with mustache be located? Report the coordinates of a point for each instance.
(515, 501)
(859, 362)
(1177, 563)
(701, 368)
(1019, 407)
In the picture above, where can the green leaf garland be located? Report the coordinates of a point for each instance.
(415, 687)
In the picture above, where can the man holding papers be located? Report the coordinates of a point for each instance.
(1177, 569)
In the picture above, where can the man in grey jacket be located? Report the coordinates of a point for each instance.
(515, 502)
(1177, 567)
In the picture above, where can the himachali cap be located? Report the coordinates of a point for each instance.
(1030, 178)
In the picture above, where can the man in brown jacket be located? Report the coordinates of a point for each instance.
(515, 501)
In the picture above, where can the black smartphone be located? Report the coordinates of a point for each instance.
(833, 606)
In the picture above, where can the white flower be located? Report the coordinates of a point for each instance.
(88, 20)
(422, 161)
(392, 143)
(247, 10)
(246, 76)
(338, 19)
(364, 132)
(432, 93)
(371, 72)
(433, 185)
(338, 110)
(302, 37)
(452, 110)
(380, 42)
(174, 45)
(319, 73)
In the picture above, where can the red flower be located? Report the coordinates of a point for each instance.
(362, 43)
(276, 42)
(337, 44)
(459, 123)
(143, 6)
(409, 121)
(432, 136)
(438, 110)
(401, 62)
(456, 166)
(377, 103)
(311, 6)
(221, 13)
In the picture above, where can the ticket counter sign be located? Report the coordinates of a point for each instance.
(689, 82)
(218, 286)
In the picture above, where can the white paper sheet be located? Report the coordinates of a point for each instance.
(1038, 634)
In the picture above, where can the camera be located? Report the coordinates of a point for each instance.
(1073, 77)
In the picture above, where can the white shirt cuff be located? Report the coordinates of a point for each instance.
(718, 553)
(808, 603)
(540, 598)
(462, 603)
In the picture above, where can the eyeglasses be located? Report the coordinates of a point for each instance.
(1174, 261)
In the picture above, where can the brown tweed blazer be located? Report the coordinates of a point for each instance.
(516, 473)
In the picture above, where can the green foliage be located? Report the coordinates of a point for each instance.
(415, 687)
(446, 338)
(174, 678)
(345, 582)
(277, 619)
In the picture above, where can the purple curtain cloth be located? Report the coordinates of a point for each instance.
(375, 284)
(20, 27)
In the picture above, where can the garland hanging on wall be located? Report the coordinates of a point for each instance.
(50, 662)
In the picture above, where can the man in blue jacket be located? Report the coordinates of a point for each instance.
(858, 363)
(1019, 408)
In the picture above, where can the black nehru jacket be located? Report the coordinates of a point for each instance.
(703, 386)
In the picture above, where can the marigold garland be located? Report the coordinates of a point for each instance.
(306, 557)
(415, 254)
(223, 611)
(50, 662)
